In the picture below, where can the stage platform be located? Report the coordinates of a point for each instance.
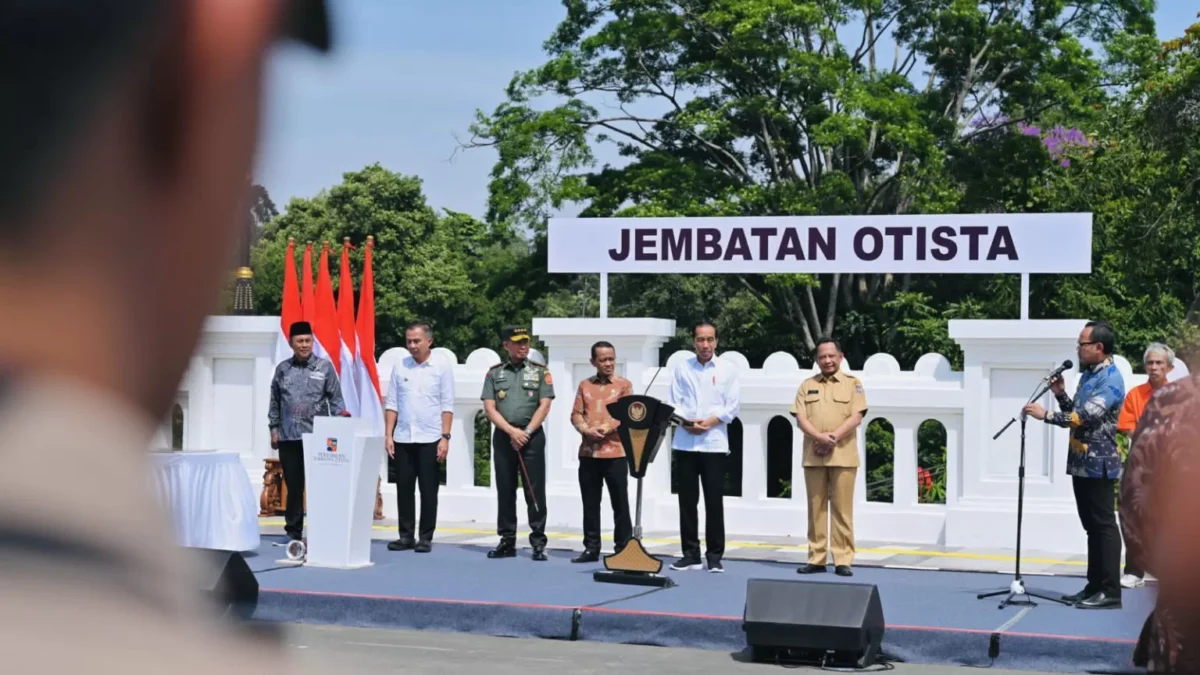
(931, 616)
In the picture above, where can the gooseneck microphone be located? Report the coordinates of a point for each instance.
(1058, 371)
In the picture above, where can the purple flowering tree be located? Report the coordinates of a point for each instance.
(1059, 141)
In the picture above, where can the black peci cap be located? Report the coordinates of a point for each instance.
(299, 328)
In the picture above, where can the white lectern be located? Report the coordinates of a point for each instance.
(341, 467)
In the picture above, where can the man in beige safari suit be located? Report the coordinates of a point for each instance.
(128, 132)
(828, 409)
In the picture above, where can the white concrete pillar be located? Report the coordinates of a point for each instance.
(754, 456)
(460, 458)
(904, 459)
(1004, 363)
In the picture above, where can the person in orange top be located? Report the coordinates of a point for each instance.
(601, 456)
(1159, 361)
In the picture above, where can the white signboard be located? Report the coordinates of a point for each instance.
(1044, 243)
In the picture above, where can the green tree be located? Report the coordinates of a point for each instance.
(756, 107)
(424, 261)
(1140, 177)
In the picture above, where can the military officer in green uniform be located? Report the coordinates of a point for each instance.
(516, 397)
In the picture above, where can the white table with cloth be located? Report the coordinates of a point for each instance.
(210, 498)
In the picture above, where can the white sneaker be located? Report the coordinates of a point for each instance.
(1130, 581)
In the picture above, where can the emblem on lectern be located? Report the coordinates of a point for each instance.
(637, 411)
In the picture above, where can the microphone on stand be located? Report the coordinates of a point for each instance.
(1053, 374)
(1058, 371)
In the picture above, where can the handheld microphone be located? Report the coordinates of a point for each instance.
(1058, 371)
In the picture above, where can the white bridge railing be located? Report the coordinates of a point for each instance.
(222, 404)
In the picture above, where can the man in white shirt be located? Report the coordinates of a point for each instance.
(705, 391)
(417, 413)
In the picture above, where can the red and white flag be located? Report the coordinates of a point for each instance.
(346, 329)
(307, 299)
(370, 397)
(292, 311)
(327, 337)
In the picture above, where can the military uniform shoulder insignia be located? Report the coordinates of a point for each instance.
(535, 363)
(549, 380)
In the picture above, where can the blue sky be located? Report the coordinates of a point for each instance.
(406, 78)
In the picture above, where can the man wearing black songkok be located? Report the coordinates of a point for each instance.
(303, 387)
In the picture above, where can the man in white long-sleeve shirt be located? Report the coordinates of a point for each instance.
(704, 390)
(417, 416)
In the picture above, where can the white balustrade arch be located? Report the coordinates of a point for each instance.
(224, 400)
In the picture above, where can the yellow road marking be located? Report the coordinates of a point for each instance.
(798, 548)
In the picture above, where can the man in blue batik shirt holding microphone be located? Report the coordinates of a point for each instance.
(1093, 459)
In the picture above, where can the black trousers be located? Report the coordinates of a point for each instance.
(1094, 499)
(507, 469)
(696, 469)
(593, 474)
(416, 466)
(291, 458)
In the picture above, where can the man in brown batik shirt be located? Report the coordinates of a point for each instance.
(601, 457)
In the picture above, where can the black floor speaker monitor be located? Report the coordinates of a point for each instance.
(227, 581)
(813, 622)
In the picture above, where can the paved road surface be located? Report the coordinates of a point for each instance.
(382, 652)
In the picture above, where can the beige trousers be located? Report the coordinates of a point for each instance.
(827, 487)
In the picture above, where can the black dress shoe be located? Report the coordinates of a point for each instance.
(811, 569)
(587, 557)
(1100, 600)
(423, 547)
(843, 571)
(539, 555)
(401, 545)
(1080, 596)
(503, 550)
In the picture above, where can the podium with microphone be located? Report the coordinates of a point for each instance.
(645, 423)
(341, 464)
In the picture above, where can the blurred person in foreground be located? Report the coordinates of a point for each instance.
(1158, 507)
(128, 131)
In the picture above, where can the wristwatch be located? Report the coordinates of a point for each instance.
(446, 436)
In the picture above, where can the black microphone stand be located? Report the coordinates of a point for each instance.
(1017, 586)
